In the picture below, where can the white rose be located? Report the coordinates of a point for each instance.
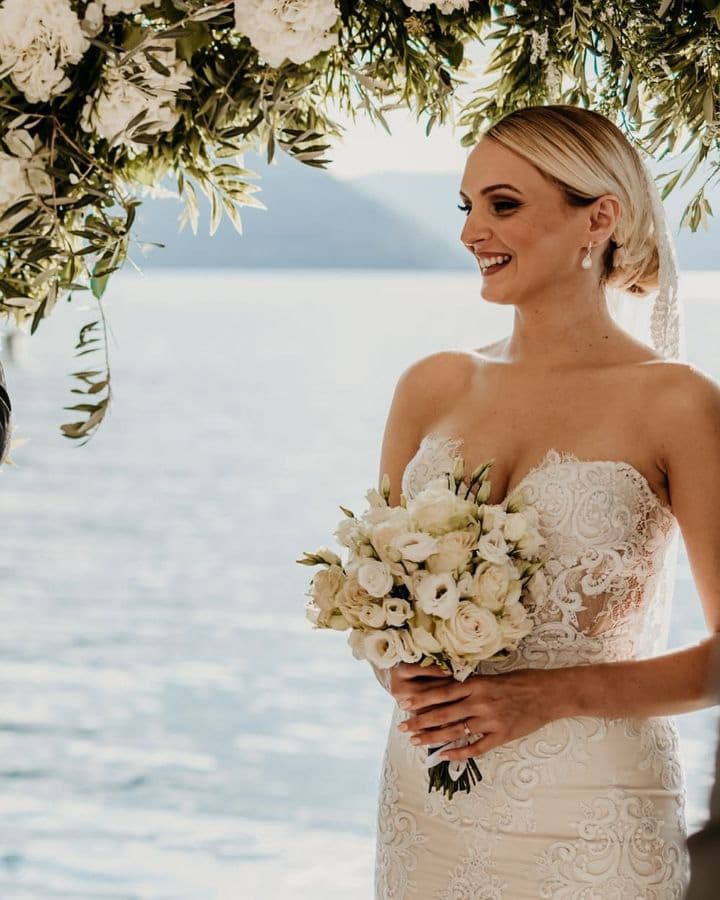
(454, 551)
(375, 577)
(372, 615)
(397, 610)
(297, 31)
(437, 595)
(384, 649)
(437, 510)
(325, 585)
(351, 598)
(491, 584)
(515, 526)
(471, 633)
(38, 40)
(493, 547)
(493, 517)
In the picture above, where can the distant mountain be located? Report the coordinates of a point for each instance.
(389, 220)
(433, 199)
(313, 220)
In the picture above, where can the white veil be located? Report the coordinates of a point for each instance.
(660, 323)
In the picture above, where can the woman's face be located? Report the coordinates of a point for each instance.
(527, 218)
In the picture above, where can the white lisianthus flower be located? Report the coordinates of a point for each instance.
(375, 577)
(325, 585)
(538, 585)
(493, 547)
(348, 532)
(530, 543)
(445, 6)
(397, 610)
(471, 633)
(424, 640)
(125, 91)
(491, 585)
(38, 40)
(415, 546)
(514, 623)
(384, 649)
(287, 29)
(113, 7)
(356, 642)
(454, 551)
(94, 19)
(325, 618)
(411, 653)
(22, 174)
(437, 595)
(372, 615)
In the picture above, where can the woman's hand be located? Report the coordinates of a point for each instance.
(498, 707)
(411, 681)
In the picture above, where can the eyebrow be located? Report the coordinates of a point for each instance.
(492, 187)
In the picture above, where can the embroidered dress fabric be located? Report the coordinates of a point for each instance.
(584, 808)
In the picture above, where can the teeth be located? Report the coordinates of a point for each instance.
(493, 261)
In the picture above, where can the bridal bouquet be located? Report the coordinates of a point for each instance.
(443, 579)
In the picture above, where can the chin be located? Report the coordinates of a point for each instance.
(488, 293)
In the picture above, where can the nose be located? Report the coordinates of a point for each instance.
(473, 236)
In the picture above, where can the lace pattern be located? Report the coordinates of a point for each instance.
(583, 807)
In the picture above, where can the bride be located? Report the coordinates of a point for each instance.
(617, 444)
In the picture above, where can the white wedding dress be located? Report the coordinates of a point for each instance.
(583, 808)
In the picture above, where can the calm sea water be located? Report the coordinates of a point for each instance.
(170, 725)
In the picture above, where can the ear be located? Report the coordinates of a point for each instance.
(603, 216)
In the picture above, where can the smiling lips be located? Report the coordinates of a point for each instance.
(491, 264)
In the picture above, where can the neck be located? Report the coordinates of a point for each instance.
(561, 331)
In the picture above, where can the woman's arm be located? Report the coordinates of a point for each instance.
(678, 682)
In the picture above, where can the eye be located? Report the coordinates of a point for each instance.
(498, 205)
(507, 204)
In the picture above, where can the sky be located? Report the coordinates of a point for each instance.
(368, 148)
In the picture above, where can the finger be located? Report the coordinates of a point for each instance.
(435, 696)
(437, 717)
(415, 670)
(476, 749)
(439, 735)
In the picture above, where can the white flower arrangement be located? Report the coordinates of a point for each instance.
(442, 578)
(297, 31)
(38, 40)
(136, 93)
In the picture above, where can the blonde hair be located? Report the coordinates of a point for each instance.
(586, 155)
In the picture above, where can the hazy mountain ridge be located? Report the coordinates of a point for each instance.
(388, 220)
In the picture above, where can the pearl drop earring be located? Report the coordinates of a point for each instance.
(587, 260)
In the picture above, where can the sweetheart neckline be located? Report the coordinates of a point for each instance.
(565, 456)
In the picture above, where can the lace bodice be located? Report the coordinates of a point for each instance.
(606, 591)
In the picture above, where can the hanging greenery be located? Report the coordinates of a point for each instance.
(100, 100)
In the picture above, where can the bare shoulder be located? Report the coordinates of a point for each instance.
(689, 401)
(423, 390)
